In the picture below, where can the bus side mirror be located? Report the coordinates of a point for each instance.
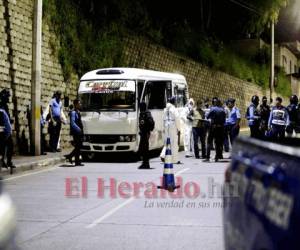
(66, 102)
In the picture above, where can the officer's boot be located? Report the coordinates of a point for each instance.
(145, 164)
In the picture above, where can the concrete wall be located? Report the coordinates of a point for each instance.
(15, 64)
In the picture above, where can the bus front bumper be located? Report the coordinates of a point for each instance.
(116, 147)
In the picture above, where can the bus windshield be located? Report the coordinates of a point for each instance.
(108, 95)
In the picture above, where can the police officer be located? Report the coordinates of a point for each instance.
(171, 121)
(199, 130)
(56, 117)
(217, 119)
(8, 147)
(294, 114)
(264, 111)
(188, 124)
(6, 140)
(232, 124)
(146, 125)
(279, 119)
(253, 117)
(76, 130)
(4, 100)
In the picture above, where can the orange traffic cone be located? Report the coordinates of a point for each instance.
(168, 182)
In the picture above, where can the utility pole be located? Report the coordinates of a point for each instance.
(36, 78)
(272, 69)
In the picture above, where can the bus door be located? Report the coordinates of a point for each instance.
(155, 95)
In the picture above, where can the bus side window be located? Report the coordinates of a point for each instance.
(155, 95)
(180, 97)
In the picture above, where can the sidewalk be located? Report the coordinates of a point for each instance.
(25, 163)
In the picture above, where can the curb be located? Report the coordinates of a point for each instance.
(33, 165)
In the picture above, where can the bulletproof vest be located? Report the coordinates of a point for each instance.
(256, 111)
(293, 112)
(146, 122)
(142, 121)
(278, 117)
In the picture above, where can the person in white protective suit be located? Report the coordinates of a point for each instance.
(171, 121)
(188, 128)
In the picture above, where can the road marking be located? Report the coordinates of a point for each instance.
(114, 210)
(182, 171)
(109, 213)
(29, 174)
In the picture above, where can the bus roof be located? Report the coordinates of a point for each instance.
(131, 73)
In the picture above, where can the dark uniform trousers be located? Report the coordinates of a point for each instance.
(216, 133)
(255, 131)
(199, 133)
(77, 140)
(144, 146)
(230, 132)
(54, 131)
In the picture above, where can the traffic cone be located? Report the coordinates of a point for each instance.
(168, 182)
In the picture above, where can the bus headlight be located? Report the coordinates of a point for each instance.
(127, 138)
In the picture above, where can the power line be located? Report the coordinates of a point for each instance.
(246, 7)
(249, 5)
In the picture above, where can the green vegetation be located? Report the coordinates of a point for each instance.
(257, 69)
(283, 85)
(90, 34)
(82, 46)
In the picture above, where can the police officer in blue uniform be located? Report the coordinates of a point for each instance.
(253, 117)
(294, 114)
(8, 146)
(217, 119)
(279, 119)
(55, 123)
(76, 130)
(232, 125)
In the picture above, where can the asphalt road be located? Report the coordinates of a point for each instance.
(118, 218)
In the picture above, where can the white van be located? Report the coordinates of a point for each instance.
(110, 106)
